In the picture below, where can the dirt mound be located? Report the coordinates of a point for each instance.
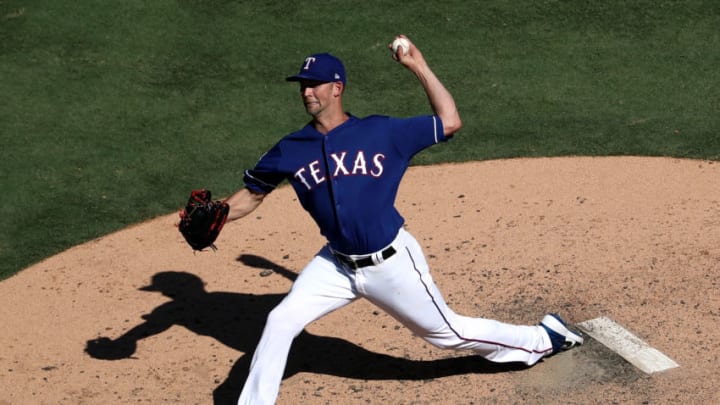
(136, 317)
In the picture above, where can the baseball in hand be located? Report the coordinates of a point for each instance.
(401, 43)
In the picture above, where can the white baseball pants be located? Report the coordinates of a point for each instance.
(403, 287)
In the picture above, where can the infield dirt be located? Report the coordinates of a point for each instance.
(633, 239)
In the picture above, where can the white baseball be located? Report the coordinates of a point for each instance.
(401, 43)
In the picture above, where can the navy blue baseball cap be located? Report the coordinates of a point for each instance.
(321, 67)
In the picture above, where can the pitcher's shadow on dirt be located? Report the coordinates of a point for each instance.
(237, 319)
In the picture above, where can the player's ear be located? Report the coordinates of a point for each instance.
(338, 88)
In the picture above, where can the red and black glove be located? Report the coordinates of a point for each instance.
(202, 219)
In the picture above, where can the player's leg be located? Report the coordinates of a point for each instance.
(319, 289)
(403, 287)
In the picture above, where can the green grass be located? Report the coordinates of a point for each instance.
(110, 112)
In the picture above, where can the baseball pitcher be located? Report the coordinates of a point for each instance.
(346, 171)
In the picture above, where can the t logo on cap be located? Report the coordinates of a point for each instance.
(308, 61)
(321, 67)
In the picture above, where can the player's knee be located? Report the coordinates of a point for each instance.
(282, 319)
(445, 341)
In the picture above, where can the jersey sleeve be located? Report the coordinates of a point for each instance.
(265, 176)
(417, 133)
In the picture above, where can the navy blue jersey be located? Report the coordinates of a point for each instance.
(348, 179)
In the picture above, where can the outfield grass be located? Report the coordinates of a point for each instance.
(110, 112)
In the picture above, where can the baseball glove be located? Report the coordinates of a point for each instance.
(202, 219)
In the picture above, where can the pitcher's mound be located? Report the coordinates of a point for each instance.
(634, 239)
